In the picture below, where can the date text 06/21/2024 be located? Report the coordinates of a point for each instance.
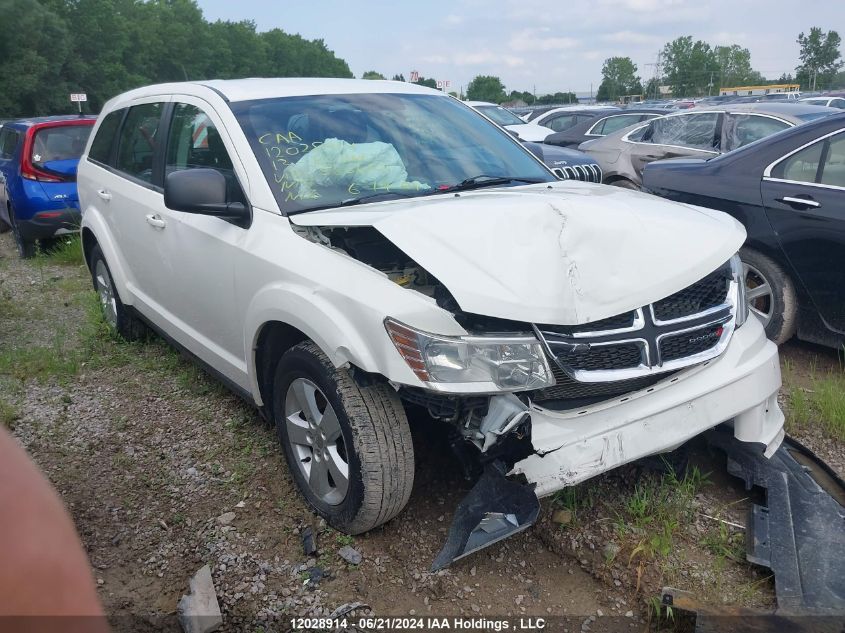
(431, 623)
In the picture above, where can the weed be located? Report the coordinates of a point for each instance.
(344, 539)
(724, 543)
(8, 415)
(822, 403)
(67, 251)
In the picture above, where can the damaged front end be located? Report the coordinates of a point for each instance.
(534, 407)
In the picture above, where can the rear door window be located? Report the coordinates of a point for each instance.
(139, 141)
(802, 166)
(742, 129)
(833, 171)
(561, 122)
(8, 142)
(696, 131)
(101, 146)
(613, 123)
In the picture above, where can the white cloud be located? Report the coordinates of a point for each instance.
(642, 6)
(453, 20)
(537, 40)
(630, 37)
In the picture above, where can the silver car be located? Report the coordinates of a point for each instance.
(694, 133)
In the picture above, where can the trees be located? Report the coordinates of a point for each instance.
(619, 77)
(820, 58)
(557, 98)
(689, 66)
(103, 47)
(734, 67)
(399, 77)
(486, 88)
(525, 96)
(431, 83)
(371, 74)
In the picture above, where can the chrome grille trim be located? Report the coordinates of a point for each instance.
(587, 173)
(652, 333)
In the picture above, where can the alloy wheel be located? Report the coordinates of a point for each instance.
(758, 292)
(314, 433)
(106, 293)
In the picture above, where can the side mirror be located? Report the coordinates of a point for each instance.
(201, 191)
(514, 134)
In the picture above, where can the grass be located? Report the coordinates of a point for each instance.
(822, 404)
(67, 251)
(9, 414)
(655, 511)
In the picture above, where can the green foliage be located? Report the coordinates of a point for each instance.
(67, 251)
(557, 98)
(486, 88)
(103, 47)
(689, 66)
(619, 77)
(400, 77)
(820, 59)
(430, 83)
(372, 74)
(525, 96)
(734, 64)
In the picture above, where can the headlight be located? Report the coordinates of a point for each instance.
(741, 298)
(510, 363)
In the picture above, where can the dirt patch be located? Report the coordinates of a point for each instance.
(150, 455)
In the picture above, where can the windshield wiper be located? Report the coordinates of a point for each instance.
(486, 180)
(353, 201)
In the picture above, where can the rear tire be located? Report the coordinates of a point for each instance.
(330, 427)
(26, 248)
(119, 319)
(771, 295)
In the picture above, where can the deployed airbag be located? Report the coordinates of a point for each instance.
(358, 167)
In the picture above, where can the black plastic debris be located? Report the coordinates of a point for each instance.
(494, 509)
(800, 533)
(309, 543)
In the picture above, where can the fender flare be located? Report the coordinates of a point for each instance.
(316, 316)
(93, 221)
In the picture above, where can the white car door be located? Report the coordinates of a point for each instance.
(202, 250)
(129, 193)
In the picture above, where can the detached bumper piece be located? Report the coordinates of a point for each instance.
(494, 509)
(799, 535)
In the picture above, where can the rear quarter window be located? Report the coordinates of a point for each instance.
(8, 142)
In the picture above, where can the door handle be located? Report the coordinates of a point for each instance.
(807, 202)
(156, 221)
(105, 195)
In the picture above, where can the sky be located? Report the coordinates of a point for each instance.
(544, 46)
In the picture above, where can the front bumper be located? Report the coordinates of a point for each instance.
(740, 385)
(50, 223)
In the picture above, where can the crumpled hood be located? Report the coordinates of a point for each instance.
(562, 253)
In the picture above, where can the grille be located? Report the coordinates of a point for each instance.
(621, 356)
(587, 173)
(709, 292)
(689, 343)
(569, 389)
(617, 322)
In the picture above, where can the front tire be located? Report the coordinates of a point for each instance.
(348, 446)
(119, 319)
(771, 295)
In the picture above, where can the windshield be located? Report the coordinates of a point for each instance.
(500, 115)
(332, 150)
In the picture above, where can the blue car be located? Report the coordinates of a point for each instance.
(38, 160)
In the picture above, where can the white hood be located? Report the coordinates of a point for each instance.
(566, 253)
(531, 132)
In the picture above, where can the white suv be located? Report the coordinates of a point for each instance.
(338, 250)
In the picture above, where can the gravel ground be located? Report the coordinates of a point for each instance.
(164, 471)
